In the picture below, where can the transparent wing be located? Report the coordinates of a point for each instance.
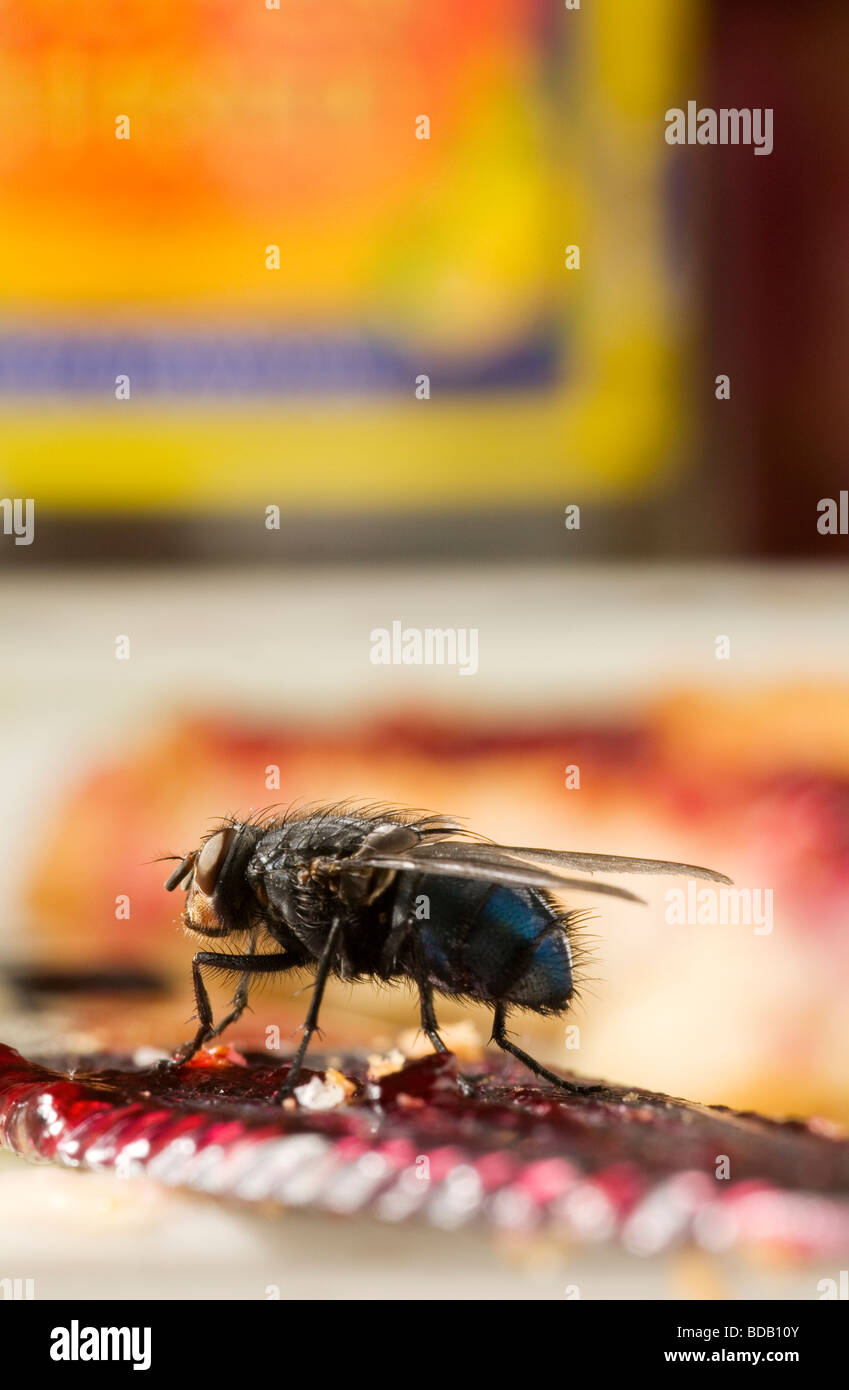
(501, 868)
(569, 859)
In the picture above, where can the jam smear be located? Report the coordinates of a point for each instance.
(614, 1163)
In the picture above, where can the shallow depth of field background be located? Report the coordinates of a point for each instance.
(255, 388)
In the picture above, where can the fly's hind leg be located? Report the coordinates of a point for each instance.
(429, 1023)
(499, 1035)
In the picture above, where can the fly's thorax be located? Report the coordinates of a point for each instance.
(310, 837)
(304, 874)
(295, 897)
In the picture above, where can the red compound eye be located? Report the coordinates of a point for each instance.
(209, 861)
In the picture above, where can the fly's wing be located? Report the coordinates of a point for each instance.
(498, 867)
(568, 859)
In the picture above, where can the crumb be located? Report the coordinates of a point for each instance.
(337, 1078)
(334, 1090)
(221, 1056)
(462, 1038)
(380, 1066)
(405, 1102)
(145, 1057)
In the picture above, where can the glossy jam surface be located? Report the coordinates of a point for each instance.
(615, 1163)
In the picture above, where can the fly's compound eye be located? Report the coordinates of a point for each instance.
(211, 858)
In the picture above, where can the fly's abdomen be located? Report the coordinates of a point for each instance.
(496, 943)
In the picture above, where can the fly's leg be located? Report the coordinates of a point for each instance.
(240, 1003)
(203, 1012)
(394, 941)
(499, 1035)
(311, 1022)
(240, 997)
(429, 1023)
(249, 965)
(428, 1019)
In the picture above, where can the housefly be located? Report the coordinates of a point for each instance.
(379, 893)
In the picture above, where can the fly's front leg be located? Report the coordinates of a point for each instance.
(240, 1003)
(203, 1012)
(248, 965)
(311, 1022)
(240, 997)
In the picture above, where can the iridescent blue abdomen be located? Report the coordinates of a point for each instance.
(493, 942)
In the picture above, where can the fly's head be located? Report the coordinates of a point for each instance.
(220, 900)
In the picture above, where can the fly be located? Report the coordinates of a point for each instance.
(377, 893)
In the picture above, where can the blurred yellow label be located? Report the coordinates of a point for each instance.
(319, 254)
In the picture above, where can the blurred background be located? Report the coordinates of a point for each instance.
(309, 353)
(275, 260)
